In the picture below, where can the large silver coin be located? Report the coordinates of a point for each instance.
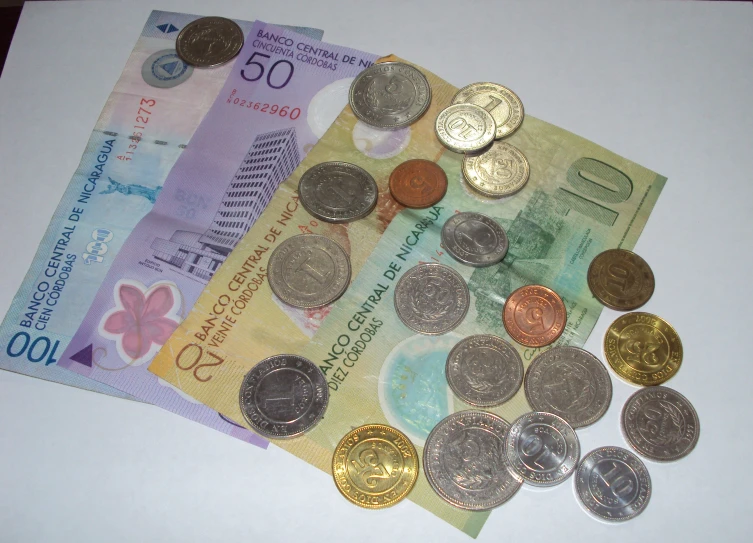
(338, 192)
(465, 128)
(431, 299)
(390, 95)
(464, 461)
(474, 239)
(571, 383)
(209, 41)
(309, 271)
(165, 69)
(542, 448)
(484, 370)
(613, 484)
(660, 423)
(283, 396)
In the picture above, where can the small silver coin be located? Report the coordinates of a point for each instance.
(660, 423)
(542, 448)
(431, 299)
(338, 192)
(165, 69)
(465, 463)
(309, 270)
(571, 383)
(209, 42)
(484, 370)
(390, 95)
(465, 128)
(474, 239)
(613, 484)
(283, 396)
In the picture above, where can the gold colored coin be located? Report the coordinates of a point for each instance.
(503, 104)
(643, 349)
(500, 171)
(620, 279)
(375, 466)
(465, 128)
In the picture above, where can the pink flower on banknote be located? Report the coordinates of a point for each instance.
(142, 319)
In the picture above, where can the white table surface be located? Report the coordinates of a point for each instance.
(666, 84)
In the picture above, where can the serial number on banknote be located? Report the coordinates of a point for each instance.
(142, 119)
(263, 107)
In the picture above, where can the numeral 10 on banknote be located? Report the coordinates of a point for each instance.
(580, 176)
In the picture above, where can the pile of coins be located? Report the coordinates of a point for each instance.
(474, 459)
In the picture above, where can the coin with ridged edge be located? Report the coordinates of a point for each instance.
(569, 382)
(338, 192)
(209, 42)
(503, 104)
(309, 270)
(534, 316)
(660, 423)
(283, 396)
(465, 462)
(643, 349)
(620, 279)
(484, 370)
(474, 239)
(613, 484)
(390, 95)
(375, 466)
(465, 128)
(500, 171)
(431, 299)
(542, 448)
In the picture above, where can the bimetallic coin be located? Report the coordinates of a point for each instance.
(660, 423)
(534, 316)
(209, 41)
(283, 396)
(613, 484)
(309, 271)
(418, 183)
(165, 69)
(474, 239)
(571, 383)
(465, 462)
(375, 466)
(484, 370)
(542, 448)
(620, 279)
(500, 171)
(465, 128)
(390, 95)
(431, 299)
(503, 104)
(338, 192)
(643, 348)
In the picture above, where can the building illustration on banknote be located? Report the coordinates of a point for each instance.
(271, 159)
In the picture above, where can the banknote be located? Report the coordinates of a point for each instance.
(146, 123)
(282, 93)
(580, 200)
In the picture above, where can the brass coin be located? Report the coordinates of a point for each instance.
(534, 316)
(500, 171)
(503, 104)
(643, 349)
(375, 466)
(465, 128)
(620, 279)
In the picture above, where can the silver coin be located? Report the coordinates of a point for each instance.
(465, 128)
(431, 299)
(660, 423)
(209, 41)
(309, 270)
(283, 396)
(165, 69)
(613, 484)
(474, 239)
(465, 463)
(542, 448)
(484, 370)
(338, 192)
(571, 383)
(390, 95)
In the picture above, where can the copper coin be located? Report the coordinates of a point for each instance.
(534, 316)
(620, 279)
(418, 183)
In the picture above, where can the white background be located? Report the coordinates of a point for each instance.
(666, 84)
